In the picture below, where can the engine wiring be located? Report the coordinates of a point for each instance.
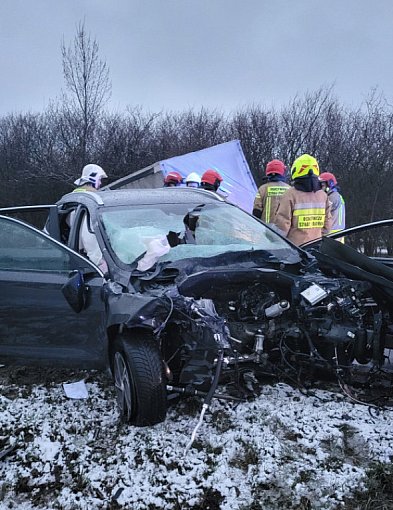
(208, 399)
(346, 390)
(164, 323)
(337, 370)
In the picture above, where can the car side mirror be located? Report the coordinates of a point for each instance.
(75, 291)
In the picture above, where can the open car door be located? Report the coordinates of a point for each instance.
(365, 254)
(374, 240)
(37, 323)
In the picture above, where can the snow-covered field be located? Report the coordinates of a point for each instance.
(282, 450)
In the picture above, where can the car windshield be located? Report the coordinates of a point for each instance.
(215, 229)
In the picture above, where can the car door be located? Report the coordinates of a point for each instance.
(37, 324)
(372, 239)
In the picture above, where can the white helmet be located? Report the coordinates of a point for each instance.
(193, 180)
(91, 174)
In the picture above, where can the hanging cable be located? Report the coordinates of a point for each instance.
(163, 324)
(345, 389)
(207, 400)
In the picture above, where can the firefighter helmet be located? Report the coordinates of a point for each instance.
(275, 167)
(211, 179)
(173, 179)
(91, 174)
(193, 180)
(302, 166)
(329, 178)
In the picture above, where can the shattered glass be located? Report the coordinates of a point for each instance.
(218, 230)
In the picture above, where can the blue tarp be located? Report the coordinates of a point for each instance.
(238, 186)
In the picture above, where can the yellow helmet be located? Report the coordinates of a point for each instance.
(303, 164)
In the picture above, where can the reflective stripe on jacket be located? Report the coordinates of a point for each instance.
(303, 216)
(337, 207)
(268, 198)
(85, 187)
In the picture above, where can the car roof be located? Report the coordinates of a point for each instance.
(109, 198)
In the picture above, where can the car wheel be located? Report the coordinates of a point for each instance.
(139, 379)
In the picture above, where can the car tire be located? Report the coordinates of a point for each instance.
(139, 379)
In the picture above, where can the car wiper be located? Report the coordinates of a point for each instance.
(151, 273)
(268, 256)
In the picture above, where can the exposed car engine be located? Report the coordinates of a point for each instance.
(280, 322)
(318, 319)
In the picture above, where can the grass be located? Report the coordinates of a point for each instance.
(248, 456)
(378, 494)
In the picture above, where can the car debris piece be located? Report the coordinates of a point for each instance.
(76, 390)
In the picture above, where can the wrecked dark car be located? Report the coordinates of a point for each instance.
(196, 293)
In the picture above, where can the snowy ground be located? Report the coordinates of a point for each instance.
(282, 450)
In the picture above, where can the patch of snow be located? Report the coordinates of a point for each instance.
(276, 451)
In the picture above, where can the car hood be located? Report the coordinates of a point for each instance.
(205, 276)
(229, 262)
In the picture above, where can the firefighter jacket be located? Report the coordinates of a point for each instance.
(267, 199)
(337, 208)
(303, 216)
(85, 187)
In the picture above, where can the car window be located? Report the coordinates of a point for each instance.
(374, 242)
(220, 228)
(129, 230)
(22, 248)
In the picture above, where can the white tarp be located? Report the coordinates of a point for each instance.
(228, 159)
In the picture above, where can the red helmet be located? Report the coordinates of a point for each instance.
(173, 178)
(329, 178)
(275, 167)
(211, 177)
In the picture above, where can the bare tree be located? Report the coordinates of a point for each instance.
(125, 141)
(88, 85)
(257, 130)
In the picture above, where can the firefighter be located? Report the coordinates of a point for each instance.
(337, 204)
(303, 213)
(211, 180)
(90, 180)
(193, 180)
(269, 194)
(173, 179)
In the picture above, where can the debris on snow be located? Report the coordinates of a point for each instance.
(76, 390)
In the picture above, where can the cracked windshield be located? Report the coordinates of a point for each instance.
(200, 231)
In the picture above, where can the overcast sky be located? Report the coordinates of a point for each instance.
(175, 54)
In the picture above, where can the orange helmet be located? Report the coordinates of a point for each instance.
(211, 177)
(329, 178)
(275, 167)
(173, 179)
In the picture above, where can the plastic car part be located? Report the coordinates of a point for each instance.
(139, 379)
